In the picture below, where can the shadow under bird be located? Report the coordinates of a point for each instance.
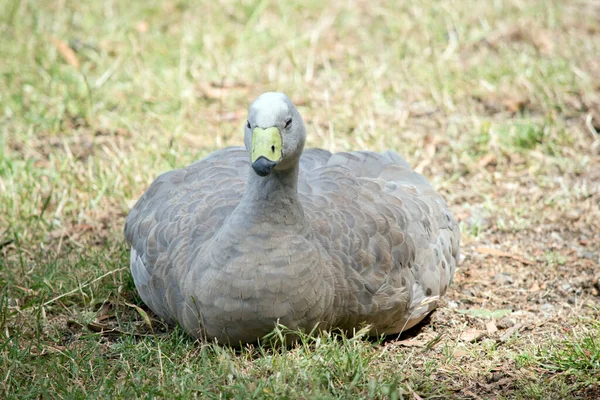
(270, 233)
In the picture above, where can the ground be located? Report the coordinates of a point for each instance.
(497, 103)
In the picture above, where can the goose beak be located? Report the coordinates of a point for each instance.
(266, 150)
(263, 167)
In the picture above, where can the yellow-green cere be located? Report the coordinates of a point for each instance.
(266, 143)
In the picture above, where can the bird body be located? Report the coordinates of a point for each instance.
(269, 233)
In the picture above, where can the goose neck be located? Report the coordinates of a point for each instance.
(274, 198)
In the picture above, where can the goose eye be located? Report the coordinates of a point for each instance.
(248, 124)
(288, 123)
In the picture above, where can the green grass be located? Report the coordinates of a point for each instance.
(573, 360)
(175, 365)
(492, 104)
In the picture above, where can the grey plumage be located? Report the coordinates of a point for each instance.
(330, 239)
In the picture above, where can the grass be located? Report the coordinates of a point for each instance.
(496, 105)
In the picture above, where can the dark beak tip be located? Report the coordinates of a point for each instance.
(262, 166)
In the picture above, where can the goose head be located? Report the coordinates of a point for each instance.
(274, 134)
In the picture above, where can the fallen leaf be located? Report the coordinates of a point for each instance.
(82, 227)
(100, 328)
(489, 159)
(505, 323)
(411, 343)
(66, 52)
(515, 104)
(509, 332)
(460, 353)
(482, 312)
(142, 313)
(472, 335)
(491, 327)
(500, 253)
